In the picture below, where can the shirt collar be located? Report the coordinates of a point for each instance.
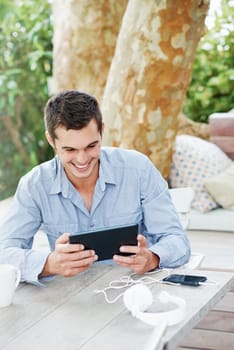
(106, 172)
(60, 181)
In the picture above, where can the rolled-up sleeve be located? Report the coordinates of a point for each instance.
(163, 229)
(17, 233)
(28, 261)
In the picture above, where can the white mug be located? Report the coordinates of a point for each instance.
(9, 280)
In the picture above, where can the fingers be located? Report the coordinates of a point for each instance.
(63, 239)
(78, 255)
(71, 263)
(62, 244)
(141, 241)
(134, 262)
(125, 260)
(73, 267)
(69, 259)
(141, 261)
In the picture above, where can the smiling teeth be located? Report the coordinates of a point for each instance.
(81, 166)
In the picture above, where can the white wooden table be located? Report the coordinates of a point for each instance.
(67, 314)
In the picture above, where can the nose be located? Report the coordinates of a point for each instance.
(81, 158)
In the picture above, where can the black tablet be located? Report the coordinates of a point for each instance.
(107, 242)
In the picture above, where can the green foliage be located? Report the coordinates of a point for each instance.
(25, 64)
(212, 86)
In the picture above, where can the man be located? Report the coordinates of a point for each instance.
(86, 187)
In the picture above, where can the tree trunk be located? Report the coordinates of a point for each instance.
(149, 75)
(85, 33)
(189, 127)
(14, 134)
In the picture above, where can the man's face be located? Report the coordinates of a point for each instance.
(79, 151)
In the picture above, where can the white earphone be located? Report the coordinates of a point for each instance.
(138, 298)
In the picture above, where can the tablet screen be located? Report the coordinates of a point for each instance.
(107, 242)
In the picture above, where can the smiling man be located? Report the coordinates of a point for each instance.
(87, 187)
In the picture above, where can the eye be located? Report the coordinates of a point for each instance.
(92, 145)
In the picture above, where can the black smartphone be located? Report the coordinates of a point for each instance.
(187, 280)
(106, 242)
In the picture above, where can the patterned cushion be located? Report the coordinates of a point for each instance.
(221, 187)
(195, 160)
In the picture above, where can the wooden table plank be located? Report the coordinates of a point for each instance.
(205, 339)
(226, 304)
(32, 304)
(68, 315)
(218, 321)
(191, 295)
(70, 331)
(134, 326)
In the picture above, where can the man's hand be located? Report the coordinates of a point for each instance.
(143, 259)
(68, 259)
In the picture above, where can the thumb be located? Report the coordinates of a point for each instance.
(141, 241)
(63, 239)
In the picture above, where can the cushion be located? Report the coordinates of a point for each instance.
(195, 160)
(221, 187)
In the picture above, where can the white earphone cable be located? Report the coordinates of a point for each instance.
(128, 281)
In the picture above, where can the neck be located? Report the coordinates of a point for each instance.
(86, 184)
(86, 187)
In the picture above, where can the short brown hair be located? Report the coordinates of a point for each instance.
(73, 110)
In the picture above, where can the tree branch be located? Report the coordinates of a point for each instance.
(14, 134)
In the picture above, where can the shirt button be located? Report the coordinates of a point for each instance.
(91, 225)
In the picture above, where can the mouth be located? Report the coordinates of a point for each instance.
(82, 168)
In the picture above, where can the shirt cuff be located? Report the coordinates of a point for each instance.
(167, 258)
(35, 261)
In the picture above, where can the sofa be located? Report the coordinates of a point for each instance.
(208, 168)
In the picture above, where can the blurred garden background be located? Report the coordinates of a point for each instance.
(26, 68)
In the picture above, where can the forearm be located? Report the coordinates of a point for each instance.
(172, 250)
(49, 267)
(154, 263)
(30, 262)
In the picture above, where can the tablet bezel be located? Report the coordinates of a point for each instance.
(106, 242)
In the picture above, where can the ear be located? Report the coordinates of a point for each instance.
(49, 139)
(103, 128)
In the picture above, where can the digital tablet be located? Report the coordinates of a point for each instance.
(107, 242)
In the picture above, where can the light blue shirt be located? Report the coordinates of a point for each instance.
(129, 190)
